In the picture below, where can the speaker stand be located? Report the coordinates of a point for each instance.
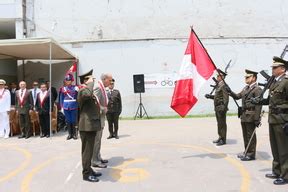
(139, 112)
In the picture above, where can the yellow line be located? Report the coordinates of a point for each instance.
(23, 165)
(28, 178)
(244, 173)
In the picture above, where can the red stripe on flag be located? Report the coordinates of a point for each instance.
(199, 57)
(183, 100)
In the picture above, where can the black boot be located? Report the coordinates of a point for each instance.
(69, 131)
(74, 132)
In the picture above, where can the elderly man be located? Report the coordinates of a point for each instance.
(101, 94)
(5, 101)
(24, 105)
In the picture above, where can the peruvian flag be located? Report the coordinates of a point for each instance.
(197, 67)
(73, 68)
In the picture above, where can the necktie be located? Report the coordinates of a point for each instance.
(34, 94)
(21, 93)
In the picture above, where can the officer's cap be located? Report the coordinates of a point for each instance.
(221, 72)
(85, 76)
(69, 77)
(250, 73)
(2, 82)
(277, 61)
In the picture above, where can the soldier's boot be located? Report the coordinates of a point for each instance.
(73, 131)
(69, 131)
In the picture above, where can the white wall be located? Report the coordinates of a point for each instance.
(129, 19)
(123, 59)
(152, 38)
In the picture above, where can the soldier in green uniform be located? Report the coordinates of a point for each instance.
(250, 113)
(221, 100)
(89, 124)
(278, 121)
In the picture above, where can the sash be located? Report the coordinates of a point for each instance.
(21, 98)
(104, 93)
(1, 96)
(42, 98)
(65, 91)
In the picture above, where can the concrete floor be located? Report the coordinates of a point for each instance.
(151, 155)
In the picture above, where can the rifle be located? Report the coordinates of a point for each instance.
(284, 52)
(214, 86)
(269, 80)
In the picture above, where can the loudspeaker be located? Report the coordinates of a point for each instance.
(138, 81)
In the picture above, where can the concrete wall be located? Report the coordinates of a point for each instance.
(152, 37)
(123, 59)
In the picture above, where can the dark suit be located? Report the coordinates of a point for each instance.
(54, 93)
(89, 124)
(44, 115)
(114, 109)
(23, 111)
(13, 96)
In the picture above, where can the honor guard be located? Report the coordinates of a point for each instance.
(278, 121)
(68, 102)
(221, 100)
(5, 100)
(250, 113)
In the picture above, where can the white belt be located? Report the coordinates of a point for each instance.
(72, 100)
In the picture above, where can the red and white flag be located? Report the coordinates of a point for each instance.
(73, 68)
(197, 67)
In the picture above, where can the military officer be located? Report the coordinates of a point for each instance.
(68, 102)
(89, 124)
(5, 100)
(24, 106)
(250, 113)
(278, 121)
(114, 110)
(221, 100)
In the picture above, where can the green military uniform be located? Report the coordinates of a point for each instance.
(250, 117)
(278, 116)
(278, 124)
(221, 100)
(89, 124)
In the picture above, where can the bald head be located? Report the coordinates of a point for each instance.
(22, 84)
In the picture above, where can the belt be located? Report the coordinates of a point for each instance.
(249, 109)
(278, 111)
(72, 100)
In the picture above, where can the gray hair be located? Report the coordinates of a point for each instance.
(105, 76)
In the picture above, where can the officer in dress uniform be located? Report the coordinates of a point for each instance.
(5, 100)
(278, 121)
(89, 124)
(68, 102)
(221, 100)
(250, 117)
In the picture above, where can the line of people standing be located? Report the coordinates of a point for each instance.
(250, 115)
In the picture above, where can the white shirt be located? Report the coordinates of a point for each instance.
(34, 93)
(5, 100)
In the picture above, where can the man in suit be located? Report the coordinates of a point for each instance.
(34, 92)
(12, 89)
(42, 107)
(89, 124)
(278, 121)
(250, 117)
(100, 93)
(4, 110)
(53, 91)
(221, 100)
(24, 105)
(114, 110)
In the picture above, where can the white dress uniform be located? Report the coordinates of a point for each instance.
(5, 102)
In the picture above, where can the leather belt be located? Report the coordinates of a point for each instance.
(278, 111)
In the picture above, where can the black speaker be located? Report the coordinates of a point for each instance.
(138, 81)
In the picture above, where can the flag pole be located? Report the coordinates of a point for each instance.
(212, 62)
